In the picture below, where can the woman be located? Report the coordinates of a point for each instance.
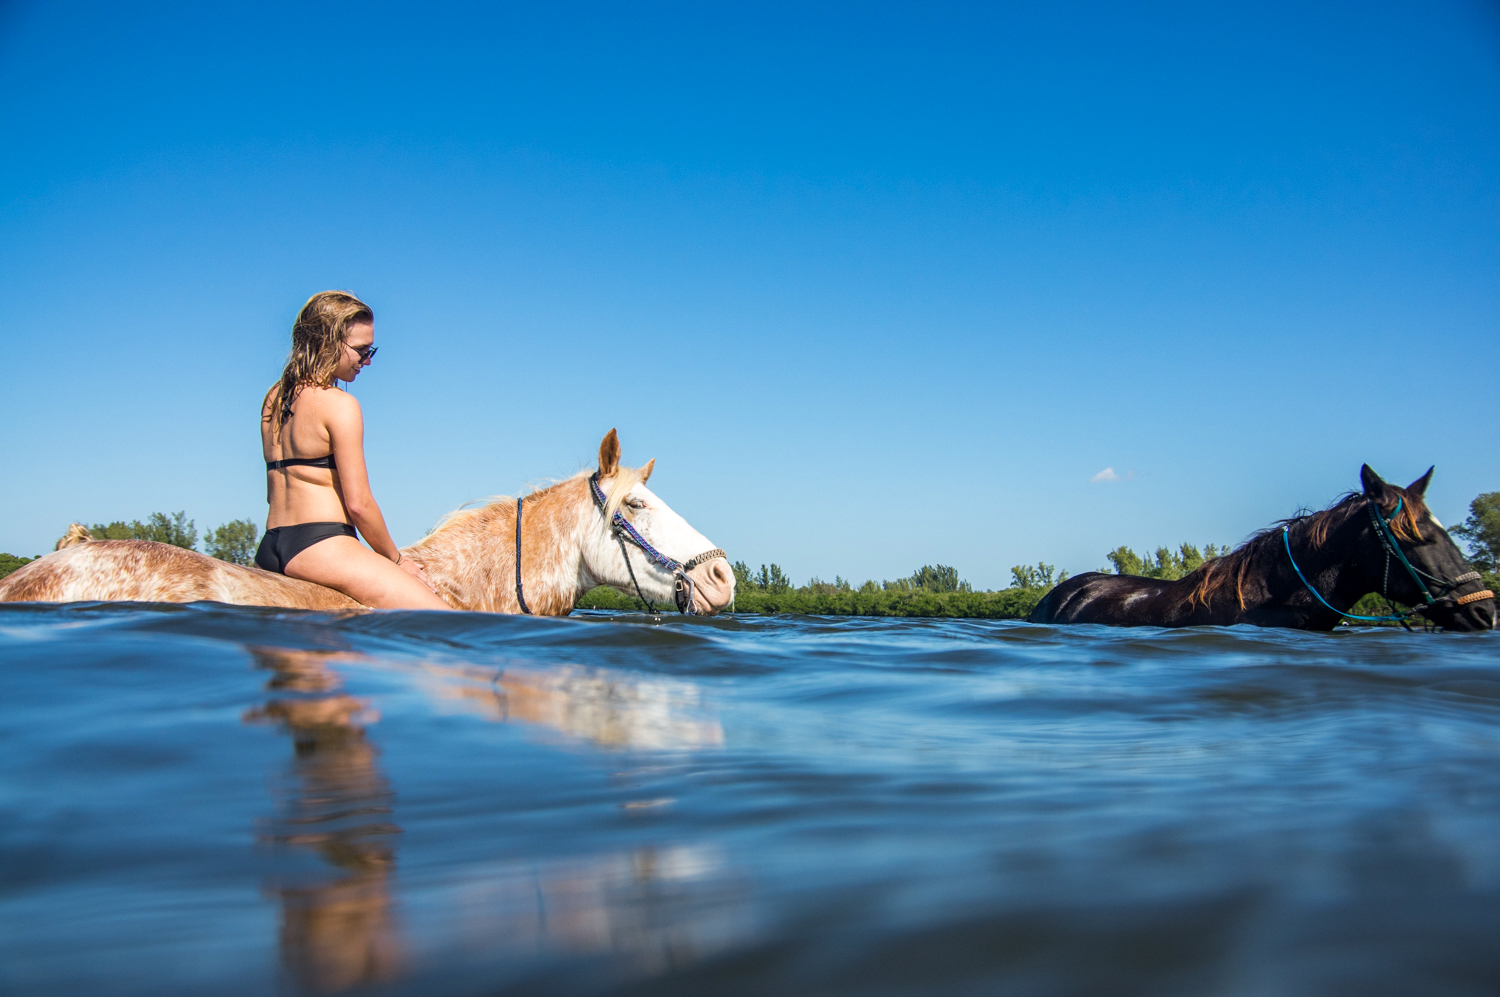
(312, 435)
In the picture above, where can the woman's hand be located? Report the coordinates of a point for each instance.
(415, 569)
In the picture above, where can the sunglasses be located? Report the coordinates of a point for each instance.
(365, 353)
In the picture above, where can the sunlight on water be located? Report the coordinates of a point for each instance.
(207, 798)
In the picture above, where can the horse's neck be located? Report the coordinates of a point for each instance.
(1333, 567)
(473, 562)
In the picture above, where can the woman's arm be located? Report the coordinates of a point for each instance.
(346, 431)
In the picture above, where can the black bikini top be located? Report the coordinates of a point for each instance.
(276, 465)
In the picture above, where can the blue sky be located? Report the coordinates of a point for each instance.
(878, 286)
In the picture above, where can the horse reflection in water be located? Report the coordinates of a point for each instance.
(651, 905)
(605, 708)
(340, 932)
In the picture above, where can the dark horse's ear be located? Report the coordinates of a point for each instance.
(1419, 487)
(1374, 487)
(609, 454)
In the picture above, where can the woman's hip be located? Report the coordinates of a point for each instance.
(281, 544)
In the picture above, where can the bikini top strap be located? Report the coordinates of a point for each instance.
(325, 461)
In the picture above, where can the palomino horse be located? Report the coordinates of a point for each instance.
(605, 528)
(1305, 572)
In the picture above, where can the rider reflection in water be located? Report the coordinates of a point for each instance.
(339, 932)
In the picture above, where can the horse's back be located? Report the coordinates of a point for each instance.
(145, 571)
(1096, 597)
(1058, 605)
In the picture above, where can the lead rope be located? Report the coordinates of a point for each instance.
(520, 597)
(1286, 540)
(1385, 584)
(650, 606)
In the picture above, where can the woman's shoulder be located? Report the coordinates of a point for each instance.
(329, 402)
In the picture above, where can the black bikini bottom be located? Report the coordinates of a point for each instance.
(283, 543)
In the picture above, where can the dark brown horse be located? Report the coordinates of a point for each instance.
(1305, 572)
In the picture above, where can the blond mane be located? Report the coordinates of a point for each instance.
(77, 534)
(616, 487)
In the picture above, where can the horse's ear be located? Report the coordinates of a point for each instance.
(609, 454)
(1419, 487)
(646, 471)
(1374, 487)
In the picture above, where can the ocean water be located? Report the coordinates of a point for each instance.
(209, 799)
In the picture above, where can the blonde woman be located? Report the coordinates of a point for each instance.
(312, 435)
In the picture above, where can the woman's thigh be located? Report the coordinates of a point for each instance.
(345, 564)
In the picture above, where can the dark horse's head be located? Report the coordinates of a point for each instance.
(1435, 559)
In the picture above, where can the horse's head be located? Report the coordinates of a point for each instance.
(701, 580)
(1412, 531)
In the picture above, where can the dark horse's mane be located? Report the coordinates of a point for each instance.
(1228, 572)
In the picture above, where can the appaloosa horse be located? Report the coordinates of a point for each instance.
(604, 528)
(1305, 572)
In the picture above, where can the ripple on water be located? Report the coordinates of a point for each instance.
(210, 797)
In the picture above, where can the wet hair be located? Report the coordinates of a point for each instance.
(318, 338)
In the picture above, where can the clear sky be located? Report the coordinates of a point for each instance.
(877, 285)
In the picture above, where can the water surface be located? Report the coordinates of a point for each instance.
(214, 799)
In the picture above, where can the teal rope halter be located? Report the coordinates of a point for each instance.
(1392, 548)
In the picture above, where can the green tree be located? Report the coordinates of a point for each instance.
(768, 579)
(1164, 564)
(1040, 577)
(773, 579)
(1481, 531)
(10, 562)
(233, 542)
(929, 578)
(1125, 561)
(176, 529)
(938, 578)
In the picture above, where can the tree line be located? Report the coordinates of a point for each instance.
(937, 589)
(931, 590)
(234, 541)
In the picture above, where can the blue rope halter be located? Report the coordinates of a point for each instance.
(620, 528)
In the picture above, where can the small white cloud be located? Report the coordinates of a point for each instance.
(1108, 474)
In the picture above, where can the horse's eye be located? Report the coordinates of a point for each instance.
(635, 503)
